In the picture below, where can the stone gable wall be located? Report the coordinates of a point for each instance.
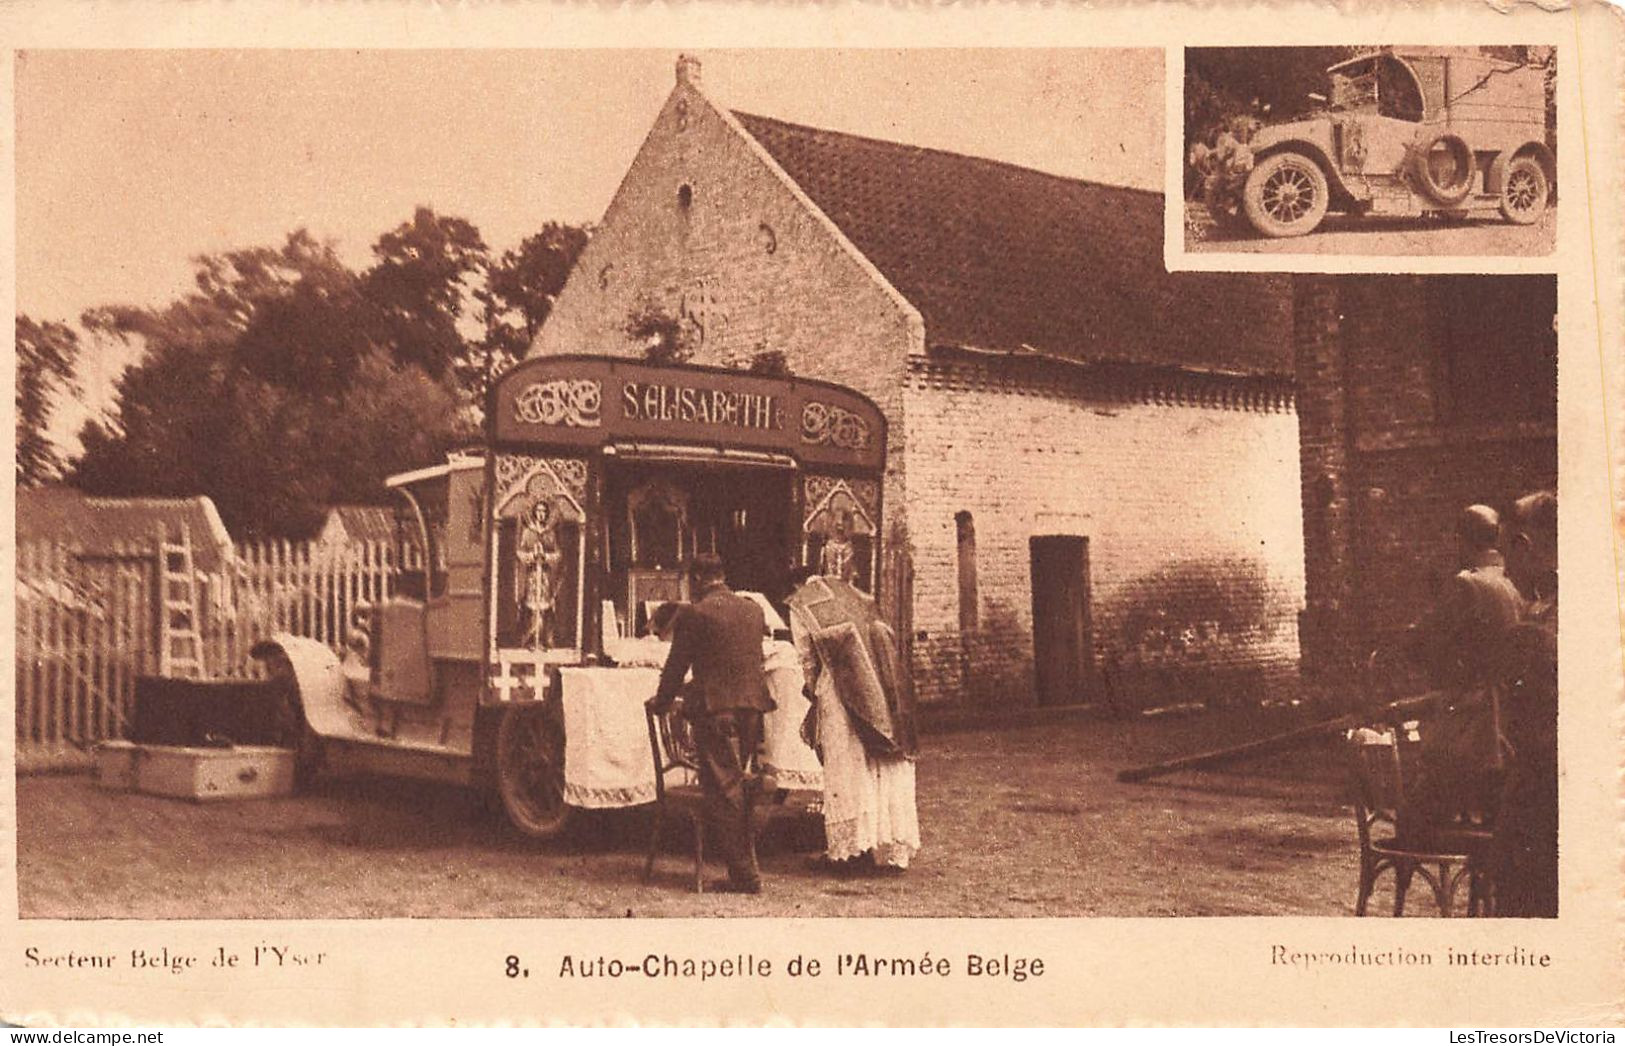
(747, 267)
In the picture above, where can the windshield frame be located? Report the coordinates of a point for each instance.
(1346, 74)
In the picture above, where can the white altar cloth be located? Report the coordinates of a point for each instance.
(607, 763)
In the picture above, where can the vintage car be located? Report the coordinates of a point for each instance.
(1404, 132)
(545, 556)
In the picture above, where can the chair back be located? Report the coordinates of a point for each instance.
(671, 745)
(1380, 758)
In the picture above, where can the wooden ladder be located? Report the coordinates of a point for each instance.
(180, 649)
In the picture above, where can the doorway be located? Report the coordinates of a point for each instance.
(1063, 643)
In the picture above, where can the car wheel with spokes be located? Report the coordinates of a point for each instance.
(1524, 191)
(530, 770)
(1286, 195)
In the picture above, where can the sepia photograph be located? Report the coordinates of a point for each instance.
(1363, 150)
(865, 515)
(828, 506)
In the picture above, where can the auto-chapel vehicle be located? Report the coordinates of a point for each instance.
(1405, 132)
(545, 555)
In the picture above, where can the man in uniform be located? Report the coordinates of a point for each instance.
(719, 637)
(1525, 869)
(1458, 639)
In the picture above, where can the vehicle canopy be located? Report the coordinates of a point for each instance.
(605, 475)
(1438, 84)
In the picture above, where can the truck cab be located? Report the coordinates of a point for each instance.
(1403, 132)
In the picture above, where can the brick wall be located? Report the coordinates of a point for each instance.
(1324, 448)
(1164, 491)
(1386, 467)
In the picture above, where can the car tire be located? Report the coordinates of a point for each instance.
(1286, 195)
(1422, 170)
(1524, 191)
(530, 770)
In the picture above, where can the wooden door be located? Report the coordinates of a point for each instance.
(1062, 644)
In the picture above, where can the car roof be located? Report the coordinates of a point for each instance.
(1455, 54)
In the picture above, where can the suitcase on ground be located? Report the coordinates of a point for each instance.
(198, 773)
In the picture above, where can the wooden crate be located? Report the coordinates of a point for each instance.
(238, 772)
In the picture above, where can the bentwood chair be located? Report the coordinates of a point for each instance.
(1380, 759)
(671, 746)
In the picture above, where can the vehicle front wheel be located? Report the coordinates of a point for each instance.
(530, 770)
(1524, 191)
(1286, 195)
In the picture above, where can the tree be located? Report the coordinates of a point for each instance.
(419, 285)
(520, 288)
(46, 356)
(270, 390)
(1270, 82)
(286, 382)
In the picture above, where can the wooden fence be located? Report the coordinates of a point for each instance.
(85, 629)
(87, 626)
(297, 587)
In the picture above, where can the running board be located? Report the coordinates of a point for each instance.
(385, 758)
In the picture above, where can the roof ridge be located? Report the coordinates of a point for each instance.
(893, 144)
(144, 500)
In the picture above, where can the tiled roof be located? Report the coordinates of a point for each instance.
(998, 257)
(99, 526)
(364, 522)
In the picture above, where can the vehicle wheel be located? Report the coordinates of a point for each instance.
(1286, 195)
(1524, 191)
(1459, 173)
(530, 770)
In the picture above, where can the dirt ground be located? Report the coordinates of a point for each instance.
(1344, 234)
(1022, 821)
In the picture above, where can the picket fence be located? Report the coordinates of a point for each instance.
(88, 625)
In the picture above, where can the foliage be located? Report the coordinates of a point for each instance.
(1273, 83)
(663, 336)
(772, 363)
(275, 389)
(286, 382)
(520, 288)
(418, 286)
(46, 354)
(1187, 602)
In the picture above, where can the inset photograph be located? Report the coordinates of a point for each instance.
(1393, 150)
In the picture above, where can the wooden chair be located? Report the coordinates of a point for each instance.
(671, 746)
(1380, 759)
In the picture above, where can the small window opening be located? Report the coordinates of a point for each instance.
(685, 196)
(966, 527)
